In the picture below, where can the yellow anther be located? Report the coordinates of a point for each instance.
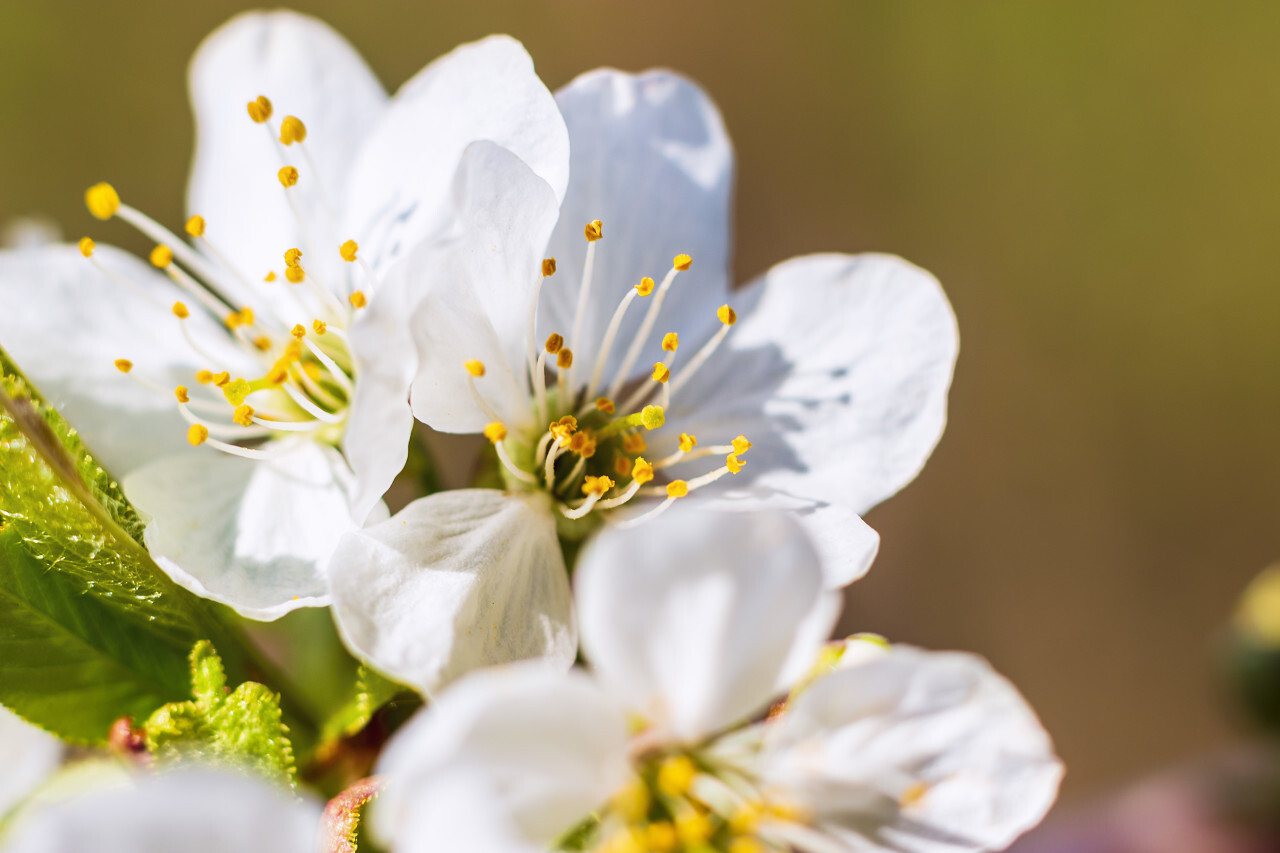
(594, 230)
(262, 342)
(733, 463)
(292, 130)
(625, 839)
(474, 366)
(577, 441)
(913, 794)
(693, 828)
(357, 299)
(319, 326)
(661, 373)
(271, 276)
(260, 109)
(288, 176)
(642, 471)
(548, 267)
(652, 417)
(243, 415)
(348, 250)
(233, 320)
(589, 448)
(564, 358)
(688, 441)
(102, 200)
(563, 428)
(278, 374)
(633, 442)
(661, 837)
(632, 802)
(204, 377)
(295, 274)
(746, 844)
(596, 485)
(197, 434)
(604, 404)
(236, 390)
(789, 812)
(220, 379)
(677, 489)
(670, 342)
(745, 818)
(740, 444)
(292, 257)
(181, 311)
(554, 343)
(495, 431)
(86, 246)
(124, 365)
(727, 315)
(645, 287)
(682, 262)
(246, 316)
(622, 465)
(299, 331)
(161, 257)
(676, 774)
(181, 393)
(195, 226)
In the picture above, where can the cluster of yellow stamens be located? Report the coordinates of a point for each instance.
(683, 802)
(306, 374)
(565, 459)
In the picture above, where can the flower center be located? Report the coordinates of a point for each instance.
(293, 374)
(690, 801)
(590, 456)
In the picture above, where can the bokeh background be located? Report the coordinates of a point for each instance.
(1096, 184)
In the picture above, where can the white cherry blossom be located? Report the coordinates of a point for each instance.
(273, 334)
(692, 627)
(30, 756)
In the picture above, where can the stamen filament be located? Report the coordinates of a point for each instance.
(700, 359)
(583, 508)
(584, 295)
(646, 326)
(519, 473)
(615, 322)
(543, 444)
(651, 514)
(646, 388)
(212, 303)
(627, 494)
(188, 256)
(536, 354)
(480, 401)
(339, 375)
(224, 430)
(313, 388)
(690, 455)
(245, 452)
(289, 426)
(309, 407)
(539, 377)
(573, 474)
(549, 467)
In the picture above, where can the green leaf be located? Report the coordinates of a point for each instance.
(244, 727)
(91, 629)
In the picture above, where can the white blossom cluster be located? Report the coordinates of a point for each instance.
(621, 632)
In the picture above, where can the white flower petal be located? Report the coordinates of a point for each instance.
(481, 290)
(399, 185)
(453, 582)
(75, 321)
(30, 756)
(252, 534)
(193, 811)
(697, 619)
(550, 746)
(845, 543)
(914, 751)
(461, 811)
(306, 70)
(652, 161)
(837, 371)
(376, 441)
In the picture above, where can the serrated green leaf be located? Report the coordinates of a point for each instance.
(369, 693)
(244, 727)
(91, 629)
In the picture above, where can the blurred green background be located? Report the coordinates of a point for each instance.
(1096, 185)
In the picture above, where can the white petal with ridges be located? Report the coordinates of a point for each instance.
(837, 371)
(252, 534)
(652, 161)
(30, 756)
(550, 747)
(914, 752)
(307, 70)
(481, 289)
(72, 321)
(399, 186)
(697, 619)
(454, 582)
